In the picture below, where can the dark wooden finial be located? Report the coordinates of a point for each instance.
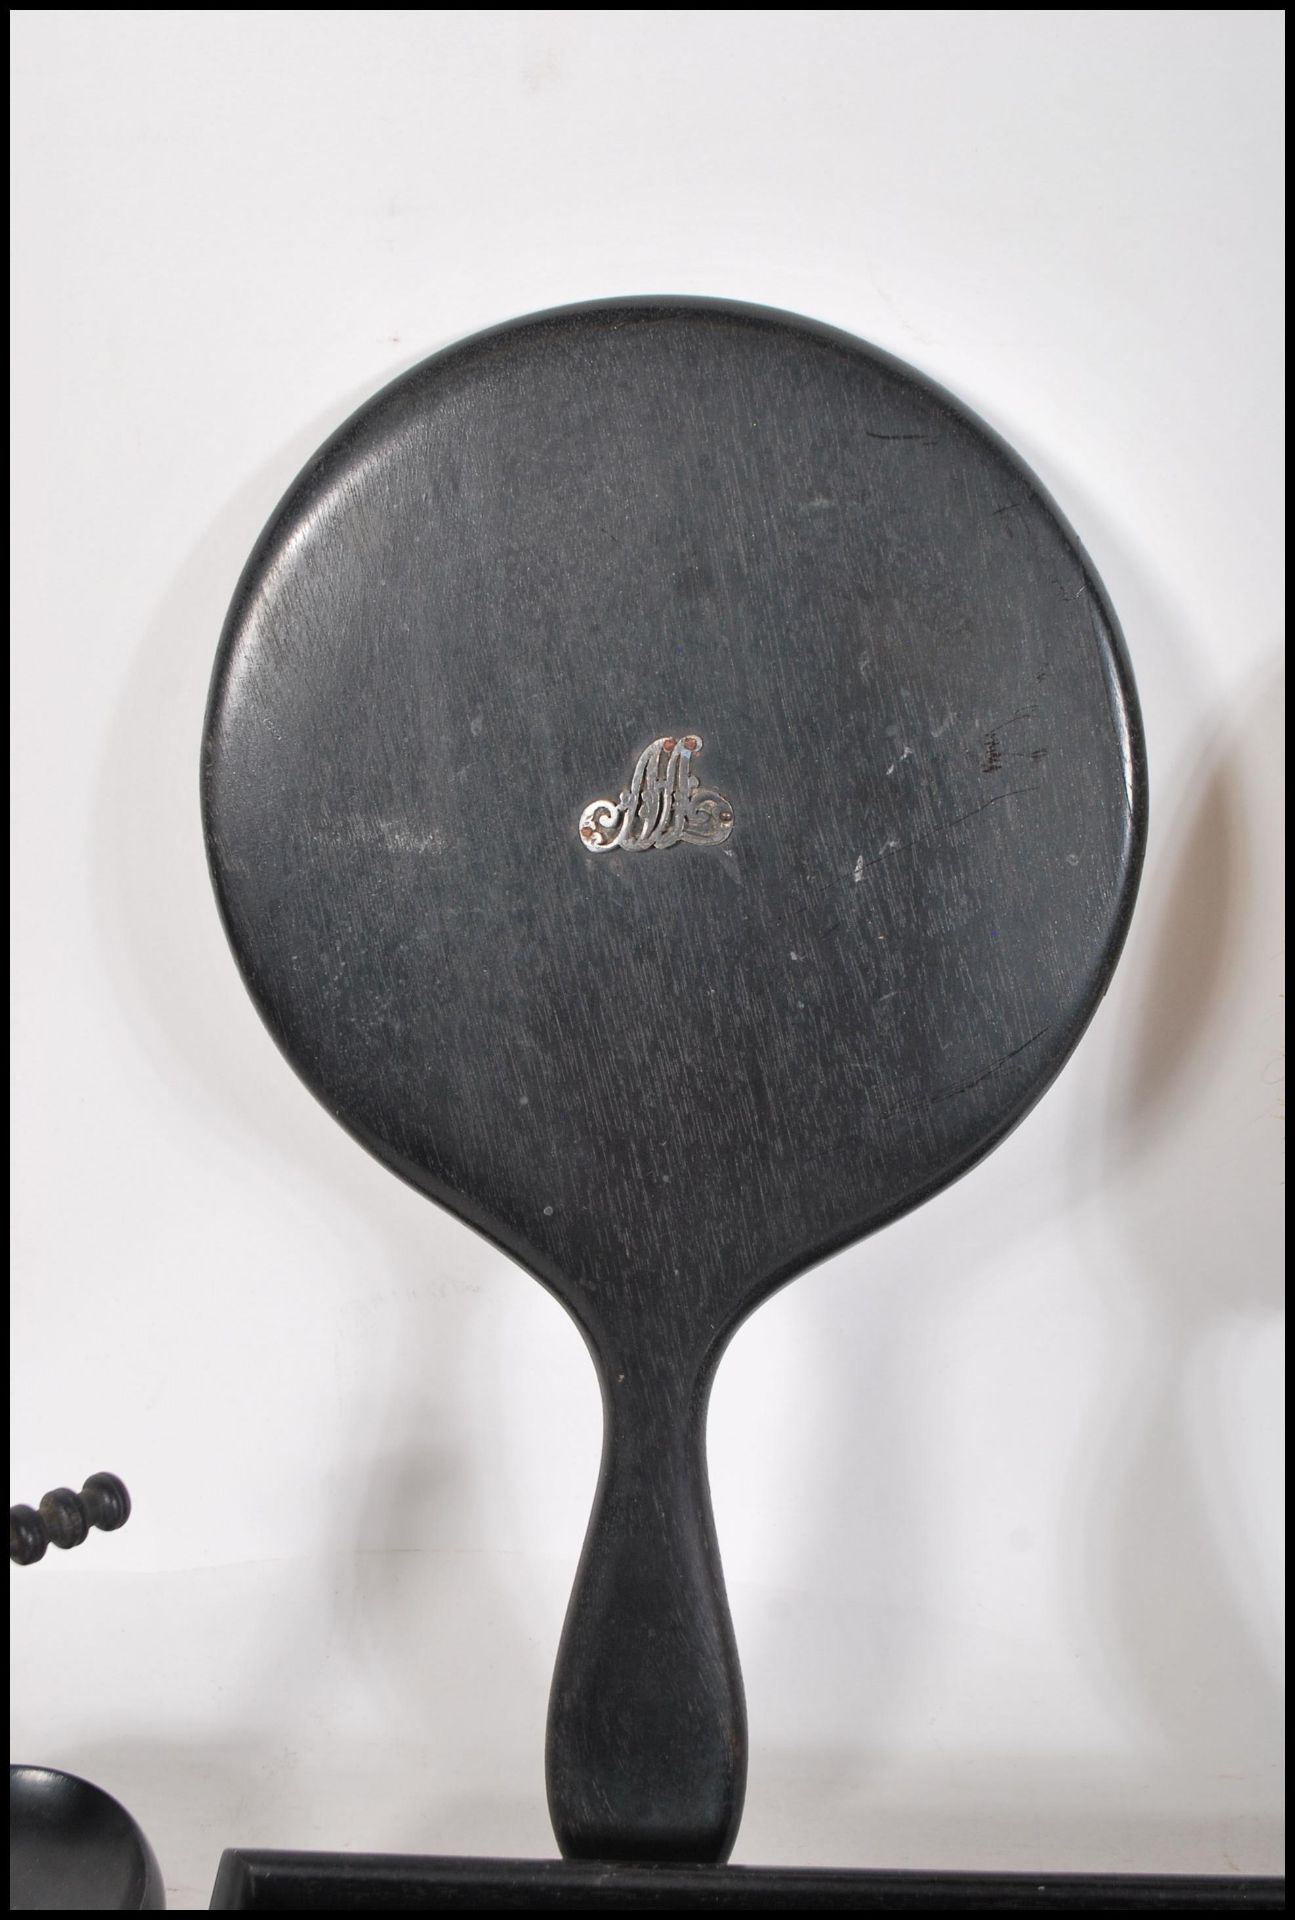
(64, 1518)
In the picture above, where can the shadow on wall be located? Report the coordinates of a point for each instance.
(1174, 1537)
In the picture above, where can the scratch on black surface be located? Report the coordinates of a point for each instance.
(988, 1074)
(926, 439)
(1011, 794)
(951, 1093)
(1022, 713)
(943, 826)
(895, 846)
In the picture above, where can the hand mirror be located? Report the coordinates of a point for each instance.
(675, 792)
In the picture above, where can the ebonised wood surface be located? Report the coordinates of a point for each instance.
(74, 1849)
(668, 1080)
(255, 1882)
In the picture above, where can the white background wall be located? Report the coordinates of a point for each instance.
(997, 1491)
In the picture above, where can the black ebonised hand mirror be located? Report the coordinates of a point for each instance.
(675, 792)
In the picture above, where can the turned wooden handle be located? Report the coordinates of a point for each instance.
(647, 1748)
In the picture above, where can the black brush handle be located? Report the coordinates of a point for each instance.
(64, 1518)
(646, 1756)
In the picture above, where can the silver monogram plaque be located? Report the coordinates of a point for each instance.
(664, 804)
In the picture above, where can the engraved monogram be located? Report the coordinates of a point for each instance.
(664, 804)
